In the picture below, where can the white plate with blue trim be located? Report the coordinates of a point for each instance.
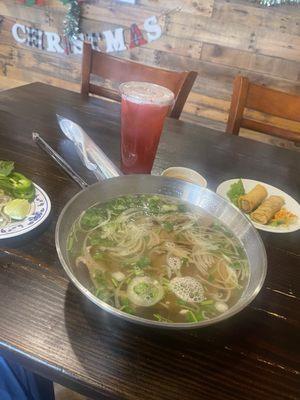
(40, 209)
(290, 204)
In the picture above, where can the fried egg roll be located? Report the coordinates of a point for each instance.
(267, 209)
(248, 202)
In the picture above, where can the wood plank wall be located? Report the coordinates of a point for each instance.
(217, 38)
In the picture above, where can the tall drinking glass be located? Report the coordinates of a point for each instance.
(144, 109)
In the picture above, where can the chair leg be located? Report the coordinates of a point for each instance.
(238, 102)
(86, 68)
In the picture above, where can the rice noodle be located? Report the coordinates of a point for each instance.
(4, 219)
(177, 245)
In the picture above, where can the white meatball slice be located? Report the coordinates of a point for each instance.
(144, 291)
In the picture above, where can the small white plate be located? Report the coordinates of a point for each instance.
(290, 204)
(40, 209)
(185, 174)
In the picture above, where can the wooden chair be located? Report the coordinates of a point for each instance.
(265, 100)
(120, 70)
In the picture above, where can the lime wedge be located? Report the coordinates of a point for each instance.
(17, 209)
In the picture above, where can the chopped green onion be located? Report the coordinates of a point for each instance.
(184, 261)
(115, 282)
(143, 262)
(168, 226)
(206, 302)
(160, 318)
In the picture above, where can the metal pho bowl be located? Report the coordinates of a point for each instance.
(196, 195)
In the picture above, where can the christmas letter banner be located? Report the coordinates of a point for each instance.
(109, 41)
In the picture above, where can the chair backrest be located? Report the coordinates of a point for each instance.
(267, 101)
(120, 70)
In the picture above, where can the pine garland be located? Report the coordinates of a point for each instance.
(72, 19)
(269, 3)
(32, 2)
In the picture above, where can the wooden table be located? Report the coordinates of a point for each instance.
(48, 326)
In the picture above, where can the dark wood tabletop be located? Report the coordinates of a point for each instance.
(47, 325)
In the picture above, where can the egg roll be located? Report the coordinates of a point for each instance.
(267, 209)
(248, 202)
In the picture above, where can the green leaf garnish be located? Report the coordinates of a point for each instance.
(6, 167)
(236, 190)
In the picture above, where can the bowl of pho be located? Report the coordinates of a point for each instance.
(171, 255)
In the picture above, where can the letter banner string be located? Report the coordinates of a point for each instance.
(32, 2)
(118, 39)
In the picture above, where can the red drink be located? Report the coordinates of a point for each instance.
(144, 109)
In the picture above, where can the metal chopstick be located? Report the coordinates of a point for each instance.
(59, 160)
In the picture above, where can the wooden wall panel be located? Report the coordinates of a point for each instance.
(281, 19)
(217, 38)
(273, 66)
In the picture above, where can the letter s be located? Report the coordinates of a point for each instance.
(153, 28)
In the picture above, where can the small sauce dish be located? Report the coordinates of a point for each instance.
(185, 174)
